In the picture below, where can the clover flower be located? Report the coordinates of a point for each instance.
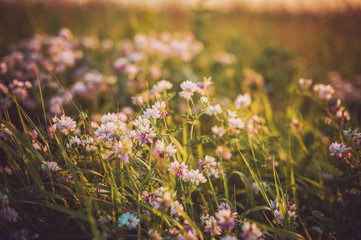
(278, 214)
(211, 225)
(189, 88)
(250, 231)
(214, 110)
(65, 124)
(235, 123)
(242, 101)
(220, 131)
(340, 150)
(151, 113)
(128, 220)
(164, 151)
(225, 219)
(162, 86)
(160, 107)
(180, 170)
(204, 85)
(194, 177)
(324, 91)
(223, 152)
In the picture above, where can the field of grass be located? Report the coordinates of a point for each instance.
(131, 123)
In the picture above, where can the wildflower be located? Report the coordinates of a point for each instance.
(65, 124)
(53, 166)
(164, 151)
(235, 123)
(278, 214)
(204, 100)
(305, 84)
(339, 150)
(211, 225)
(223, 152)
(242, 101)
(151, 113)
(189, 88)
(194, 177)
(146, 134)
(162, 86)
(179, 169)
(214, 110)
(208, 162)
(250, 231)
(225, 219)
(129, 220)
(9, 214)
(160, 107)
(204, 85)
(324, 91)
(220, 131)
(74, 140)
(176, 207)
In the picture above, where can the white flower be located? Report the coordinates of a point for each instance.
(151, 113)
(160, 107)
(214, 110)
(220, 131)
(324, 91)
(243, 101)
(188, 88)
(162, 85)
(204, 100)
(236, 123)
(164, 151)
(194, 177)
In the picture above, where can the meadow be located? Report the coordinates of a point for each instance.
(131, 123)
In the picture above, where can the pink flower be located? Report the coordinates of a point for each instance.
(164, 151)
(179, 169)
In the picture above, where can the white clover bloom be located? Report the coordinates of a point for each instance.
(151, 113)
(194, 177)
(324, 91)
(164, 151)
(250, 231)
(141, 122)
(214, 110)
(204, 100)
(64, 124)
(160, 107)
(110, 117)
(236, 123)
(220, 131)
(242, 101)
(189, 88)
(162, 85)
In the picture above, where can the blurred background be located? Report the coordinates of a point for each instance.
(283, 40)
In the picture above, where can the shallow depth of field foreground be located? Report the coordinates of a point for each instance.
(123, 122)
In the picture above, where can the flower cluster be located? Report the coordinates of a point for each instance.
(340, 150)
